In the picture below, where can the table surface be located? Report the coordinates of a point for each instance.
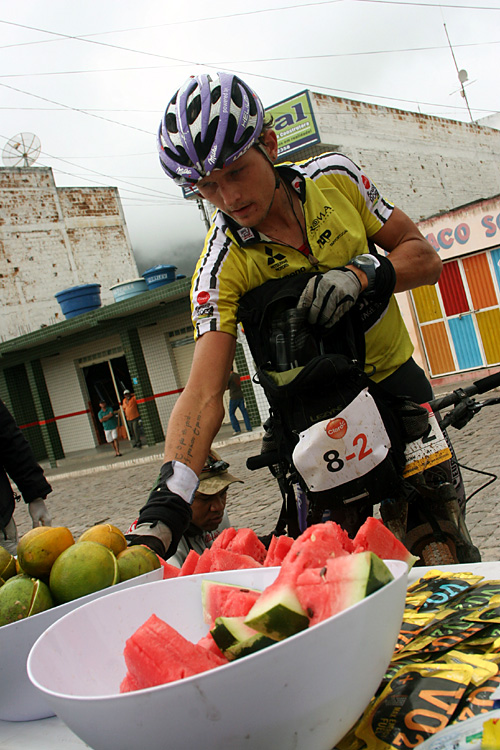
(52, 733)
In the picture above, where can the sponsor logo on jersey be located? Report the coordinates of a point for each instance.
(324, 236)
(204, 311)
(372, 192)
(296, 183)
(245, 234)
(202, 298)
(277, 261)
(336, 428)
(320, 218)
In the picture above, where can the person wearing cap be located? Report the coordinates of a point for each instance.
(131, 411)
(209, 509)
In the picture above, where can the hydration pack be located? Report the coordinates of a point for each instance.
(341, 435)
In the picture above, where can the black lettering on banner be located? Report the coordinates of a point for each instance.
(424, 706)
(333, 461)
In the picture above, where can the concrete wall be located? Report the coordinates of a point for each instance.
(54, 238)
(423, 164)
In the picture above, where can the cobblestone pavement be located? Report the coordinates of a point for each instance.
(115, 493)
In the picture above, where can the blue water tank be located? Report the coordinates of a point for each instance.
(127, 289)
(159, 275)
(77, 300)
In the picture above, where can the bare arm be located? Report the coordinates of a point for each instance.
(414, 259)
(199, 411)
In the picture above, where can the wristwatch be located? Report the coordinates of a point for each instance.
(369, 264)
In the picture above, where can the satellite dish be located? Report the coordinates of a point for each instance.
(22, 150)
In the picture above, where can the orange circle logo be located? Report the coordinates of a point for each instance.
(336, 428)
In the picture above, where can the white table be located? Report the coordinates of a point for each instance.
(53, 734)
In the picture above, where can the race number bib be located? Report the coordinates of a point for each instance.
(343, 448)
(428, 451)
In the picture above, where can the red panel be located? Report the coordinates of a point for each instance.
(452, 289)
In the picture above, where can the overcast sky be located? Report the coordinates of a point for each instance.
(92, 80)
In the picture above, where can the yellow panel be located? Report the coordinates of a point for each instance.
(427, 304)
(438, 348)
(489, 327)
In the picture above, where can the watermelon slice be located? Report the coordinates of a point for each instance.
(246, 542)
(224, 538)
(224, 559)
(315, 546)
(169, 571)
(208, 642)
(226, 600)
(204, 562)
(189, 563)
(156, 654)
(375, 537)
(322, 592)
(278, 550)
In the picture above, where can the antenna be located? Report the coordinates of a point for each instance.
(462, 75)
(22, 150)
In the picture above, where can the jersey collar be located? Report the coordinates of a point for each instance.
(248, 235)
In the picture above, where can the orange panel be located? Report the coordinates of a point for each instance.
(488, 323)
(427, 304)
(438, 348)
(480, 282)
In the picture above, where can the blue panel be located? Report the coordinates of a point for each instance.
(495, 256)
(465, 342)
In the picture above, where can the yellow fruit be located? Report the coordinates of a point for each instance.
(22, 596)
(106, 534)
(135, 561)
(82, 569)
(40, 547)
(7, 564)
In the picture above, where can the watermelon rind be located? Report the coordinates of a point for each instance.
(278, 613)
(251, 645)
(229, 631)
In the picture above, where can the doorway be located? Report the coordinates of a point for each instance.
(106, 381)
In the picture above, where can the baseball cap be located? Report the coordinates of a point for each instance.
(214, 476)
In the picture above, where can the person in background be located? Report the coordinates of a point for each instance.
(237, 401)
(109, 420)
(131, 411)
(209, 509)
(20, 465)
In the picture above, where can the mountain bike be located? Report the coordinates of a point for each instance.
(424, 514)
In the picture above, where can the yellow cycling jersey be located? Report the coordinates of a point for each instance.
(342, 209)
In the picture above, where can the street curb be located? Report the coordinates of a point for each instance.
(245, 437)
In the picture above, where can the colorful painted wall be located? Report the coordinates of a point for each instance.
(457, 321)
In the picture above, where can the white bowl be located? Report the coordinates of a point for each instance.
(305, 692)
(19, 700)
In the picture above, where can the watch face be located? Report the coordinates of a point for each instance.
(367, 260)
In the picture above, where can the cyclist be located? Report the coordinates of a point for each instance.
(319, 217)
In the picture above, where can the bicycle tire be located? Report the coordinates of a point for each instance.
(438, 553)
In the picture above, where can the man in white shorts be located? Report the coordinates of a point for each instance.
(109, 421)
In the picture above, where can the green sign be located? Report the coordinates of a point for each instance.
(294, 123)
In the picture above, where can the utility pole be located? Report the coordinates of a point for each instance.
(462, 75)
(203, 212)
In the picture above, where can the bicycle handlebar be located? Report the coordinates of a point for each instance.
(263, 460)
(460, 394)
